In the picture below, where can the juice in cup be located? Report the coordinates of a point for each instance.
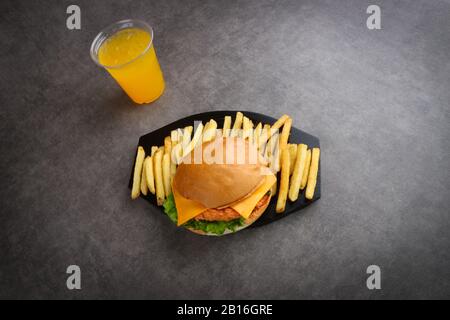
(126, 51)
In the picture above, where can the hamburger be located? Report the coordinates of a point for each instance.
(220, 187)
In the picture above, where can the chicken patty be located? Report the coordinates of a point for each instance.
(228, 213)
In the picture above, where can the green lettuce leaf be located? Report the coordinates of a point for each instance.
(215, 227)
(170, 209)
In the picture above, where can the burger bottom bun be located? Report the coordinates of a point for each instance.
(252, 218)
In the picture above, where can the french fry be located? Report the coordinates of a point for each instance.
(177, 153)
(174, 137)
(168, 150)
(273, 129)
(273, 189)
(173, 171)
(257, 133)
(273, 152)
(271, 145)
(246, 128)
(268, 150)
(167, 145)
(284, 181)
(226, 126)
(299, 166)
(177, 149)
(144, 186)
(187, 135)
(285, 133)
(263, 138)
(186, 140)
(213, 128)
(293, 155)
(252, 130)
(197, 135)
(279, 123)
(159, 184)
(153, 150)
(194, 141)
(306, 170)
(237, 124)
(312, 176)
(209, 131)
(205, 129)
(149, 177)
(135, 190)
(166, 174)
(276, 154)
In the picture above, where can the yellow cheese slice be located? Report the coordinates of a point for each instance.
(246, 206)
(188, 209)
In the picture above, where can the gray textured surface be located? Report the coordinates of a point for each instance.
(378, 100)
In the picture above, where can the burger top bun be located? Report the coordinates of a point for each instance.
(201, 177)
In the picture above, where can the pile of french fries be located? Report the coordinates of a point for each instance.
(298, 165)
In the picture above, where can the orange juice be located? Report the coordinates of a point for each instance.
(129, 56)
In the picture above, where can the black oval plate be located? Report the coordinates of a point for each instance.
(156, 138)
